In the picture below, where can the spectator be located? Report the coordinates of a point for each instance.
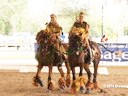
(104, 38)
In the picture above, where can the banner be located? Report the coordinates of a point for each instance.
(114, 52)
(111, 52)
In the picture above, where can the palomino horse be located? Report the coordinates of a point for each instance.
(79, 56)
(48, 55)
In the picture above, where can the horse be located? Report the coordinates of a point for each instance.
(78, 56)
(49, 56)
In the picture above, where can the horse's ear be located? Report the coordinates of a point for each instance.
(62, 33)
(61, 28)
(46, 23)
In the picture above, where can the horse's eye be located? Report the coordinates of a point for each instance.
(80, 34)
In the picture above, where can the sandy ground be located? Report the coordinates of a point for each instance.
(13, 83)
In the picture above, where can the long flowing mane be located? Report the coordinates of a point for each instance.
(74, 43)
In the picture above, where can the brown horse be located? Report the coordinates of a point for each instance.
(79, 57)
(49, 55)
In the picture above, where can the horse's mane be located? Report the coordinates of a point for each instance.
(48, 41)
(41, 35)
(74, 42)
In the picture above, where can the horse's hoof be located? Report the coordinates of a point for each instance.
(39, 81)
(62, 90)
(102, 91)
(68, 82)
(35, 84)
(73, 91)
(82, 89)
(61, 83)
(51, 85)
(88, 91)
(49, 91)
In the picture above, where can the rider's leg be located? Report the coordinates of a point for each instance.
(90, 55)
(90, 52)
(59, 58)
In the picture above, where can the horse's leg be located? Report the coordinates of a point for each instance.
(86, 67)
(81, 74)
(50, 83)
(37, 79)
(59, 65)
(61, 71)
(96, 63)
(95, 71)
(81, 62)
(73, 73)
(96, 86)
(81, 70)
(61, 81)
(68, 77)
(73, 89)
(89, 84)
(68, 67)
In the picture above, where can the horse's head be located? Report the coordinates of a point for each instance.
(42, 39)
(49, 41)
(78, 39)
(75, 42)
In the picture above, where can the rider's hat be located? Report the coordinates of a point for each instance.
(52, 15)
(81, 14)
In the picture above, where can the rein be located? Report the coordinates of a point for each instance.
(105, 47)
(68, 52)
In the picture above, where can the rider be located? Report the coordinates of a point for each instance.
(104, 38)
(54, 28)
(82, 27)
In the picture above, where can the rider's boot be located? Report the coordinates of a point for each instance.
(59, 59)
(90, 55)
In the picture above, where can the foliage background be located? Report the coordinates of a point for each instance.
(104, 16)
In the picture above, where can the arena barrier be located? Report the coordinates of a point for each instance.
(114, 52)
(111, 52)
